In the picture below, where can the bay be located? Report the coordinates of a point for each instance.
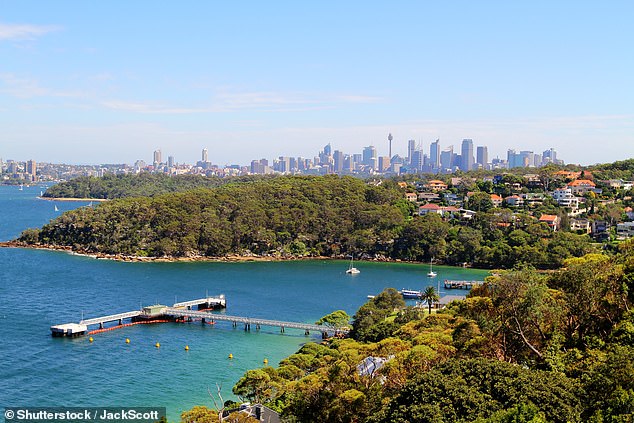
(40, 288)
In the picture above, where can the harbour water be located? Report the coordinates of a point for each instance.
(40, 288)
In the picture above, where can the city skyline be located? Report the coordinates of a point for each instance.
(287, 78)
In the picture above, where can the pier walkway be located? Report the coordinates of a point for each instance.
(248, 321)
(184, 310)
(111, 318)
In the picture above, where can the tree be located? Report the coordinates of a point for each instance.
(336, 320)
(430, 296)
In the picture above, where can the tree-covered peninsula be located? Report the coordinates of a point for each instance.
(294, 216)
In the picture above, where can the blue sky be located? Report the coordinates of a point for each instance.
(109, 82)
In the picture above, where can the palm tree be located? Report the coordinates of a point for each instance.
(430, 296)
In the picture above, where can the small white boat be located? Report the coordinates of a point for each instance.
(21, 188)
(431, 272)
(56, 209)
(352, 270)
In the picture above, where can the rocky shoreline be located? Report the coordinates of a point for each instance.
(72, 199)
(193, 258)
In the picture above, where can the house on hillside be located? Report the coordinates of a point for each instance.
(514, 201)
(496, 200)
(565, 198)
(625, 230)
(581, 186)
(429, 208)
(436, 185)
(551, 220)
(411, 196)
(580, 225)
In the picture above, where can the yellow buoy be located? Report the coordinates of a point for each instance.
(90, 339)
(186, 347)
(157, 345)
(266, 361)
(230, 356)
(127, 340)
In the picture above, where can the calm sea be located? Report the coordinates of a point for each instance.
(42, 288)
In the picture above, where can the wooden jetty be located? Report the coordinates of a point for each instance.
(183, 311)
(450, 284)
(145, 314)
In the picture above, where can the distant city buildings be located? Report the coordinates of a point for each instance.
(441, 159)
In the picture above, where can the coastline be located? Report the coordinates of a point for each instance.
(229, 258)
(72, 199)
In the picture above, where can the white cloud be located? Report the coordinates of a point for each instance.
(24, 31)
(229, 101)
(21, 87)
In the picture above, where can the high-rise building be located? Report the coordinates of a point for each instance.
(466, 155)
(389, 140)
(446, 159)
(369, 156)
(482, 156)
(411, 147)
(338, 156)
(549, 156)
(434, 154)
(170, 161)
(328, 150)
(31, 169)
(384, 163)
(527, 159)
(205, 156)
(418, 159)
(157, 157)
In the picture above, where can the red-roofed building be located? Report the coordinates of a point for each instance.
(436, 185)
(496, 200)
(429, 208)
(581, 186)
(550, 219)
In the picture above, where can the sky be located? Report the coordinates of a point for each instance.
(110, 82)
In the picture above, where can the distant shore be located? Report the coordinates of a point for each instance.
(228, 258)
(72, 199)
(122, 257)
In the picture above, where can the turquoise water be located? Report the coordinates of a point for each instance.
(42, 288)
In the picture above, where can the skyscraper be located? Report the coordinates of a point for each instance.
(369, 156)
(338, 161)
(417, 160)
(446, 159)
(170, 161)
(31, 169)
(328, 150)
(434, 154)
(482, 155)
(205, 156)
(549, 156)
(157, 157)
(466, 155)
(411, 147)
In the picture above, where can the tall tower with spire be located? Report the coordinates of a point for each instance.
(389, 138)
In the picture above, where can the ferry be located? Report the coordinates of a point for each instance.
(410, 293)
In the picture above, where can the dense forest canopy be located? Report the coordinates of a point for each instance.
(142, 185)
(524, 347)
(305, 216)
